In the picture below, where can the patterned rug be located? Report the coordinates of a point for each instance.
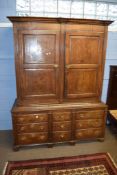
(93, 164)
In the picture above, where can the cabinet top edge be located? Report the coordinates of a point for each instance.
(59, 20)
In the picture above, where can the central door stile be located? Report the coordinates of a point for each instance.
(62, 61)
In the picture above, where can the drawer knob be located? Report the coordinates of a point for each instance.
(80, 125)
(23, 138)
(62, 126)
(41, 127)
(62, 136)
(61, 116)
(36, 116)
(56, 66)
(80, 134)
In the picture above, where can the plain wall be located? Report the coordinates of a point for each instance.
(7, 68)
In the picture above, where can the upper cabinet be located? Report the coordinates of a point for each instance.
(59, 60)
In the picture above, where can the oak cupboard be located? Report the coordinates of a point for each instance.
(59, 73)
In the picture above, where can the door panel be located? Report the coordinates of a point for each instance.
(81, 50)
(39, 52)
(79, 82)
(83, 64)
(40, 82)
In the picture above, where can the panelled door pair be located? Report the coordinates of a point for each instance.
(52, 70)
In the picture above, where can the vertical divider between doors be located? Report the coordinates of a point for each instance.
(62, 60)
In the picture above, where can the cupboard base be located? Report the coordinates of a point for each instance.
(60, 123)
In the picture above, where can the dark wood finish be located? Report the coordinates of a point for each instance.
(59, 73)
(83, 64)
(112, 88)
(112, 98)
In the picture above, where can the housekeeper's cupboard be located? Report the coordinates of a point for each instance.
(59, 73)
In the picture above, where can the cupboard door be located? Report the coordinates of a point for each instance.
(83, 64)
(39, 59)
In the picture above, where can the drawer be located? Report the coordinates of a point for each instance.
(93, 123)
(29, 118)
(89, 114)
(61, 136)
(33, 127)
(89, 133)
(61, 116)
(61, 126)
(32, 138)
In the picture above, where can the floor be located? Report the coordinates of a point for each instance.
(6, 152)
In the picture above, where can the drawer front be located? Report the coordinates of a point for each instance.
(82, 124)
(89, 114)
(61, 116)
(89, 133)
(29, 118)
(61, 126)
(61, 136)
(34, 127)
(32, 138)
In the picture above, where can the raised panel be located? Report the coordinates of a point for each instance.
(81, 83)
(41, 82)
(37, 48)
(84, 49)
(39, 58)
(83, 59)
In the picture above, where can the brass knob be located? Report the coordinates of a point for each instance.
(41, 127)
(62, 136)
(56, 66)
(80, 125)
(62, 117)
(23, 138)
(62, 126)
(79, 134)
(36, 116)
(68, 66)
